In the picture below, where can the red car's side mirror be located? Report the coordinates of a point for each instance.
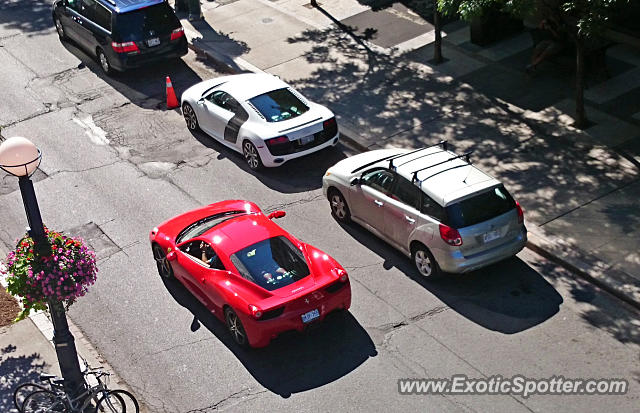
(172, 256)
(277, 214)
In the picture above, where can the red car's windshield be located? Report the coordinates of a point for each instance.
(273, 263)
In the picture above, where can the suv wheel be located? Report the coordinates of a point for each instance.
(424, 262)
(61, 33)
(104, 62)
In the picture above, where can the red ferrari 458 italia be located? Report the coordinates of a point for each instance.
(248, 271)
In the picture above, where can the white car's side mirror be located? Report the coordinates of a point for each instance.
(355, 181)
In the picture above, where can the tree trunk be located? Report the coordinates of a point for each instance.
(581, 120)
(437, 45)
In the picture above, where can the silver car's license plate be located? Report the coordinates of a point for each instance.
(153, 42)
(490, 236)
(306, 139)
(310, 316)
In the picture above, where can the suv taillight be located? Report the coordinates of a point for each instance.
(177, 33)
(125, 47)
(520, 213)
(450, 235)
(277, 141)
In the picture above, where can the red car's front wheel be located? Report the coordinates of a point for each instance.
(236, 328)
(164, 267)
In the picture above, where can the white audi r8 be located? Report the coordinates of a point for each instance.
(260, 116)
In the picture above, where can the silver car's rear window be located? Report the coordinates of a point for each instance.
(480, 208)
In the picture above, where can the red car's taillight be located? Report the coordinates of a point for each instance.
(277, 141)
(177, 33)
(255, 311)
(520, 213)
(450, 235)
(125, 47)
(342, 274)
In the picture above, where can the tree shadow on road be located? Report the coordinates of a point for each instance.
(15, 370)
(600, 310)
(330, 350)
(31, 17)
(508, 297)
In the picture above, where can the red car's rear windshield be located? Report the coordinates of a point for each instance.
(273, 263)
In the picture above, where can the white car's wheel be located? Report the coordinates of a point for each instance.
(190, 117)
(251, 155)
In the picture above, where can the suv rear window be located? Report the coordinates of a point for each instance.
(137, 24)
(480, 208)
(279, 105)
(273, 263)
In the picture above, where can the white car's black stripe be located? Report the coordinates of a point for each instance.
(300, 125)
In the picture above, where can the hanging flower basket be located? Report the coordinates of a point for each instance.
(62, 273)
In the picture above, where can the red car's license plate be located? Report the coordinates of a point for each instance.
(310, 316)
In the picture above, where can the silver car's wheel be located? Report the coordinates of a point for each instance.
(190, 117)
(339, 206)
(251, 155)
(61, 33)
(424, 262)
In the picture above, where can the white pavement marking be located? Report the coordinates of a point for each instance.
(93, 131)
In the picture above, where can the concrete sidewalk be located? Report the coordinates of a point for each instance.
(579, 189)
(26, 351)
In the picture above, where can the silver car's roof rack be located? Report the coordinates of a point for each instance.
(392, 157)
(465, 155)
(391, 166)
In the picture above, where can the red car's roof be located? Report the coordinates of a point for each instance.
(242, 231)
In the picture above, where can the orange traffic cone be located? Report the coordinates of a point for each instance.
(172, 100)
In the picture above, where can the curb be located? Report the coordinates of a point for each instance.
(627, 292)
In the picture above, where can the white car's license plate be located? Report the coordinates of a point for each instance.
(310, 316)
(153, 42)
(490, 236)
(306, 139)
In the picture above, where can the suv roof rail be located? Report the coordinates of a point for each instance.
(112, 2)
(444, 147)
(465, 155)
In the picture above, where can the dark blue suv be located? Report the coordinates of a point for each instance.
(122, 34)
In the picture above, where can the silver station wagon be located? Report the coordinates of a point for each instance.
(431, 204)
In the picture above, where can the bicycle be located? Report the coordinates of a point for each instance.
(25, 389)
(112, 401)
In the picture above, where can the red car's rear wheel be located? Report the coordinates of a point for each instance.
(236, 328)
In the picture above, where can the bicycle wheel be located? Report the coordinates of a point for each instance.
(22, 391)
(118, 401)
(44, 401)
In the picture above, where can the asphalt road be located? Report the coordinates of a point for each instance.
(116, 163)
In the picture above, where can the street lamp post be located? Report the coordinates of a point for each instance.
(20, 157)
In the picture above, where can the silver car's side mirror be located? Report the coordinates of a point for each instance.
(200, 101)
(355, 181)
